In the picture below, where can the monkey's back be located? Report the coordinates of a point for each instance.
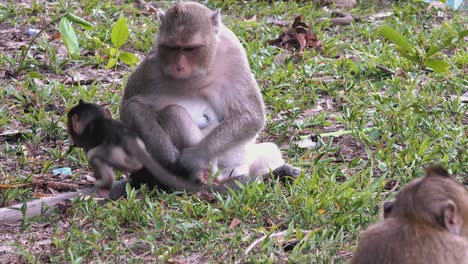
(107, 131)
(395, 241)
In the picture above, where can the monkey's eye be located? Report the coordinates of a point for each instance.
(170, 48)
(191, 49)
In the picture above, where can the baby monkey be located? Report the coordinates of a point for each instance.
(109, 144)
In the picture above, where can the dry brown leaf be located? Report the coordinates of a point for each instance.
(298, 23)
(55, 36)
(312, 41)
(151, 10)
(252, 19)
(9, 186)
(41, 195)
(302, 42)
(235, 222)
(296, 38)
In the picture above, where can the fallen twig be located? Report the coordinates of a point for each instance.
(342, 18)
(384, 69)
(37, 207)
(63, 186)
(44, 206)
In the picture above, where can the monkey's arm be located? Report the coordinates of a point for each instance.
(244, 117)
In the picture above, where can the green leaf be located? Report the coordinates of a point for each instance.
(423, 146)
(374, 134)
(78, 20)
(437, 65)
(69, 36)
(449, 41)
(414, 58)
(119, 32)
(128, 58)
(396, 37)
(434, 49)
(113, 51)
(463, 34)
(36, 75)
(111, 63)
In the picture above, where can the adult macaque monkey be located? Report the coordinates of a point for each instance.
(426, 223)
(194, 102)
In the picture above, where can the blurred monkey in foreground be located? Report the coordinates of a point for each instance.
(426, 223)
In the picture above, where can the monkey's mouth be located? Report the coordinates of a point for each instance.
(185, 74)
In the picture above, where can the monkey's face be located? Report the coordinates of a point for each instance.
(183, 61)
(187, 40)
(80, 116)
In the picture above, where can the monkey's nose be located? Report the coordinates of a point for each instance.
(180, 68)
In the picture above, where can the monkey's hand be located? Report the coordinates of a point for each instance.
(194, 162)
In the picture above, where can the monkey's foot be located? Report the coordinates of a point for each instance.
(203, 177)
(102, 193)
(284, 171)
(118, 189)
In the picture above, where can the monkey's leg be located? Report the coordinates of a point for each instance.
(103, 173)
(184, 133)
(266, 157)
(139, 114)
(178, 124)
(283, 171)
(119, 188)
(103, 159)
(256, 160)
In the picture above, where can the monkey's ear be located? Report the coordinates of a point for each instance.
(436, 171)
(107, 112)
(160, 14)
(387, 208)
(76, 125)
(216, 20)
(451, 217)
(81, 101)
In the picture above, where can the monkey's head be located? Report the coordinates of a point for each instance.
(187, 41)
(80, 116)
(437, 200)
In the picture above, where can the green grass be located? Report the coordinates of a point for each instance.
(345, 178)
